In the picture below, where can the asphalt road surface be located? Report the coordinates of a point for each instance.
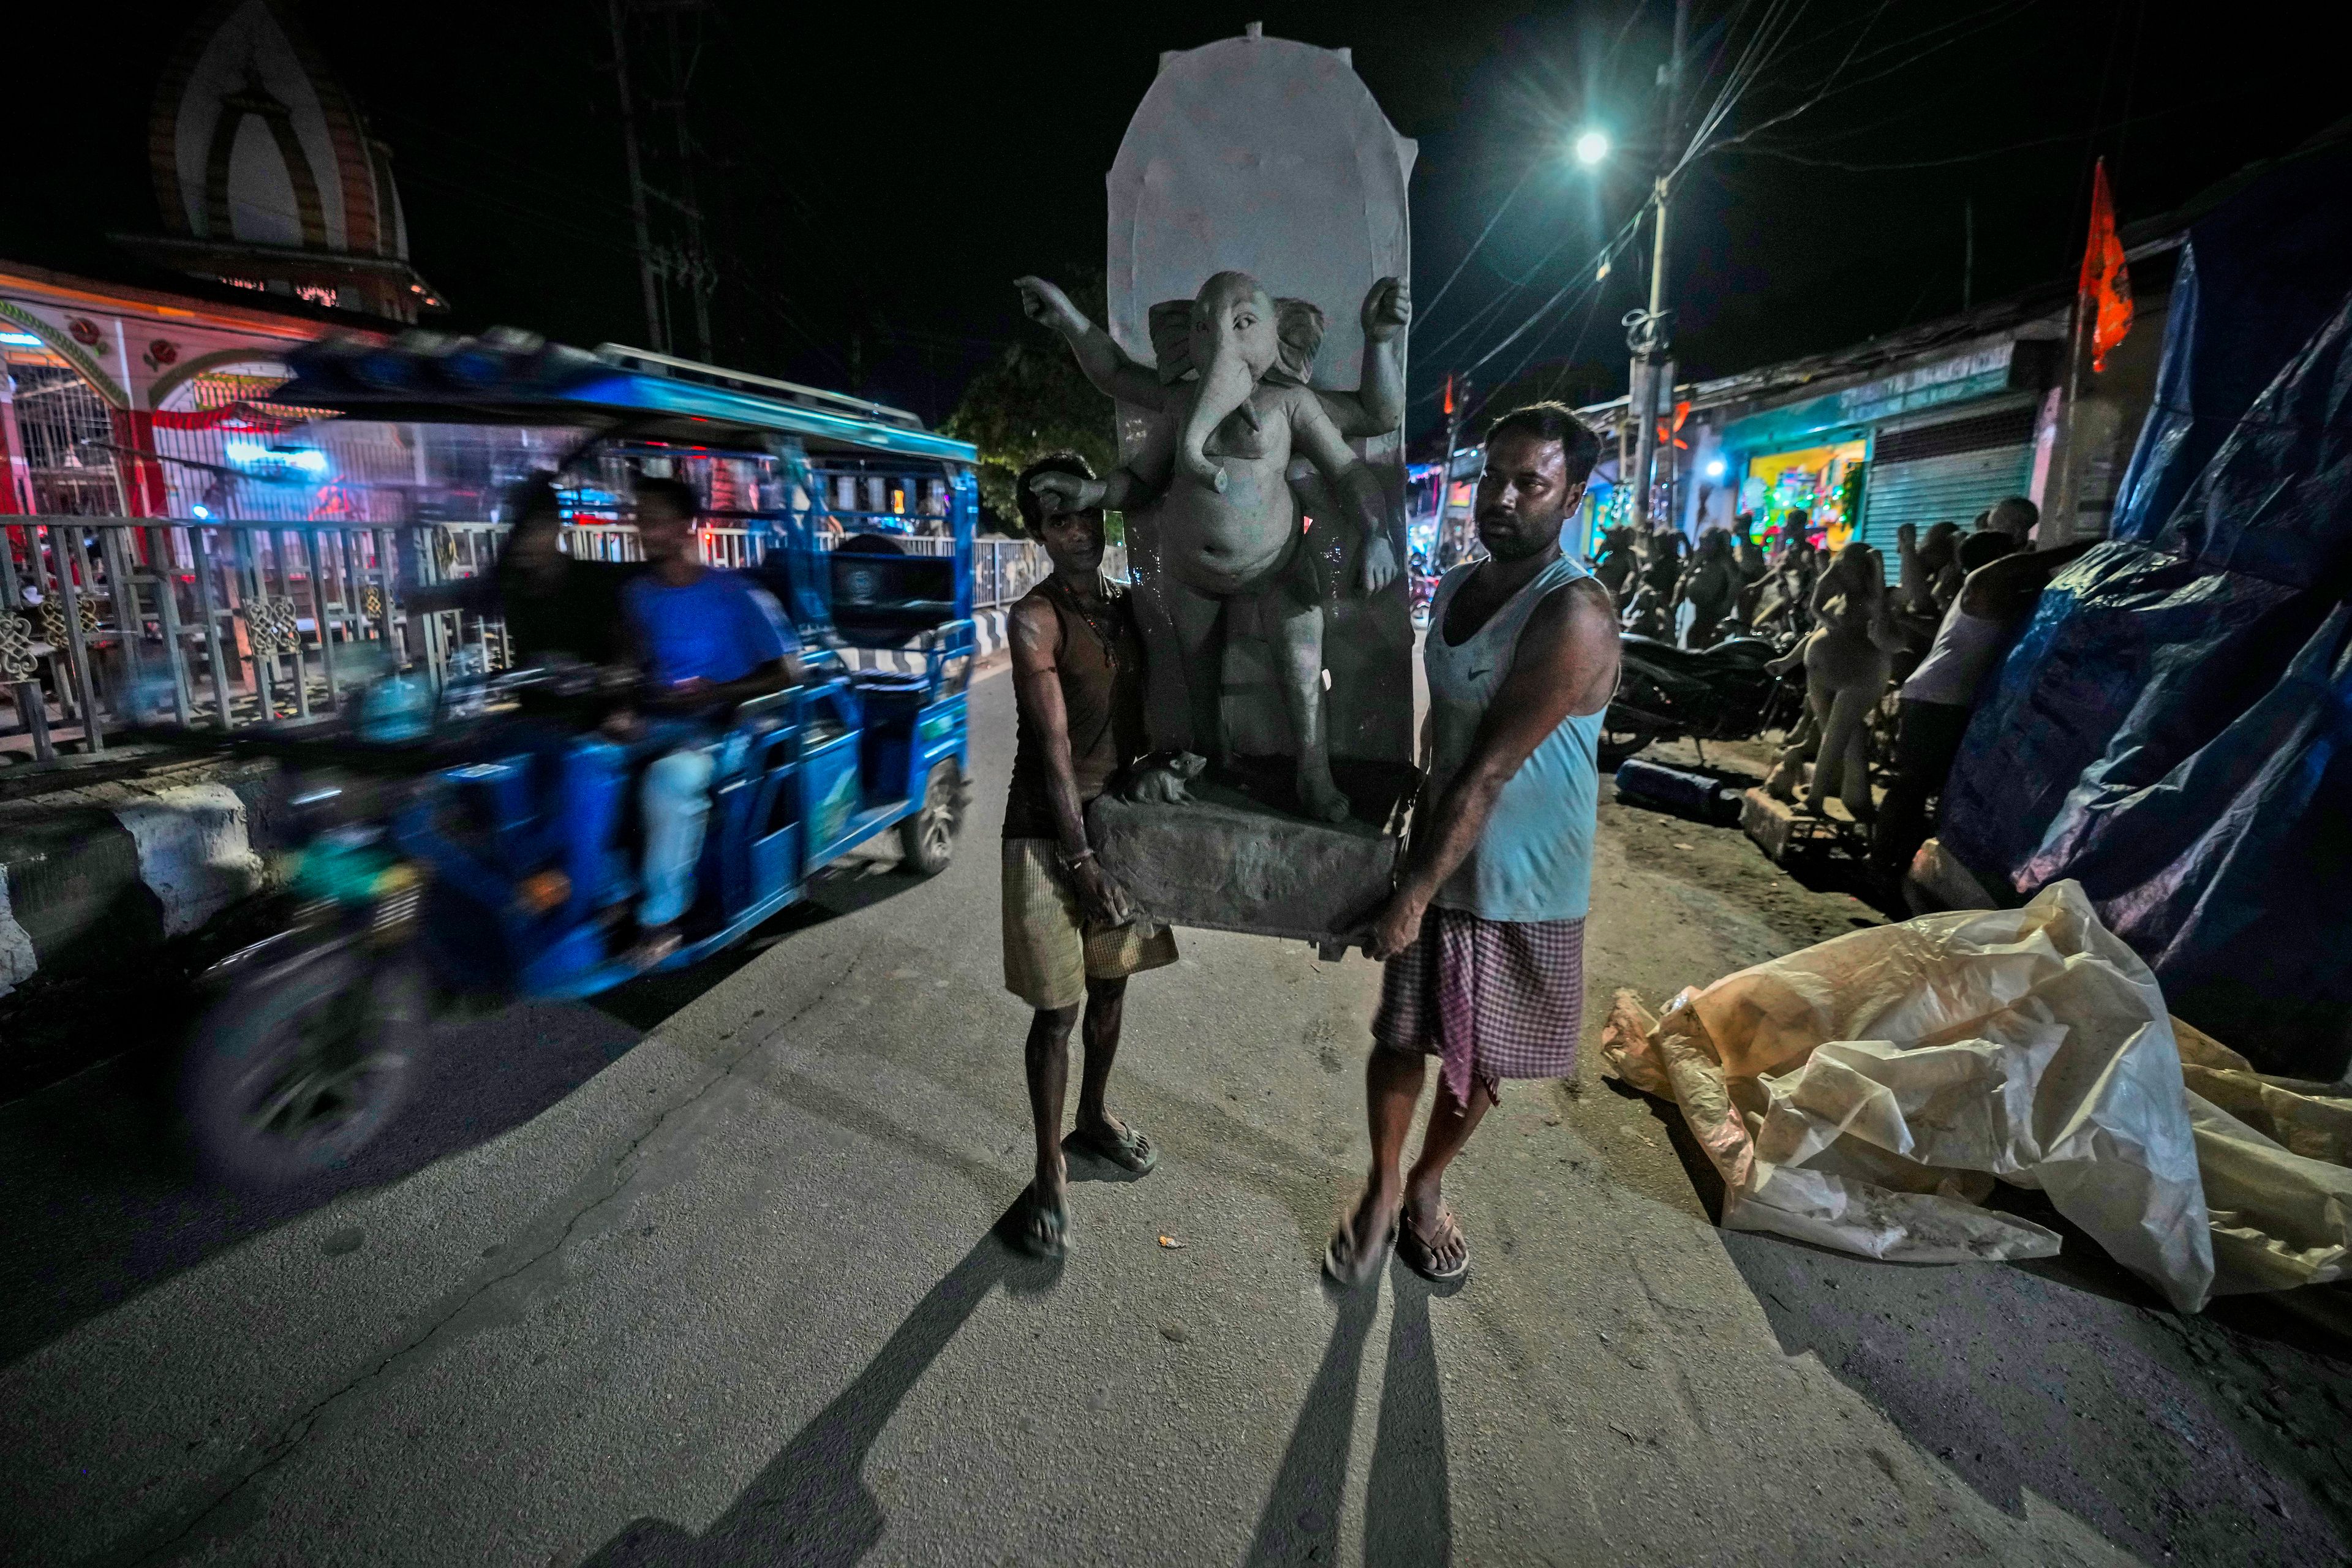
(704, 1275)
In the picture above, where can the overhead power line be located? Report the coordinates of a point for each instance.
(1481, 240)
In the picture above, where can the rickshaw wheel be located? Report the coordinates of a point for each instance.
(927, 839)
(291, 1074)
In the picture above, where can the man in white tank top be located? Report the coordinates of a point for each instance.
(1483, 936)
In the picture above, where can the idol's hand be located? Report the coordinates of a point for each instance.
(1379, 568)
(1388, 308)
(1157, 786)
(1059, 493)
(1049, 307)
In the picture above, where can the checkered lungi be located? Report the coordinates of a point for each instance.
(1490, 999)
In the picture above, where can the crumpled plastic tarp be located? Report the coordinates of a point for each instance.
(1864, 1094)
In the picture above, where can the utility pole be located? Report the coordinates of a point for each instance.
(1646, 332)
(655, 338)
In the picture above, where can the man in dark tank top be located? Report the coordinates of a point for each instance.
(1070, 935)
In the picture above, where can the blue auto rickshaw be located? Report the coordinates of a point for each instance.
(487, 854)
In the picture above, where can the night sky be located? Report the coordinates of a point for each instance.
(875, 175)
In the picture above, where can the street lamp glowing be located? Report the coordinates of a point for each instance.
(1590, 147)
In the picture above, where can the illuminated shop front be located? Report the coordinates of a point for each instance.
(1822, 481)
(1941, 440)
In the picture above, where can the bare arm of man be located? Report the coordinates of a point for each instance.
(777, 674)
(2005, 589)
(1035, 636)
(474, 596)
(1565, 664)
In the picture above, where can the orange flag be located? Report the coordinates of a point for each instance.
(2106, 283)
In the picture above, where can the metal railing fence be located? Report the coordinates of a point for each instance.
(105, 621)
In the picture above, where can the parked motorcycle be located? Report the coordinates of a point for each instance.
(1719, 693)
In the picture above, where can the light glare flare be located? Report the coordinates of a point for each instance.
(1590, 147)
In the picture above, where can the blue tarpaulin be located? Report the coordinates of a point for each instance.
(2173, 727)
(2257, 277)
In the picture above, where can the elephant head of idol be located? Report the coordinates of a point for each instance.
(1231, 335)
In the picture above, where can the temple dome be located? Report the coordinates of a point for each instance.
(261, 159)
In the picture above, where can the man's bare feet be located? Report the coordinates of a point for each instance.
(1106, 1137)
(1430, 1239)
(1041, 1221)
(1361, 1244)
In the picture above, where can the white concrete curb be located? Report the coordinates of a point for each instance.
(988, 627)
(18, 962)
(194, 854)
(188, 845)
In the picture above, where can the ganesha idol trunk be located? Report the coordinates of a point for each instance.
(1270, 158)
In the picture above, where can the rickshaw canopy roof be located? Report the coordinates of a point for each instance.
(511, 379)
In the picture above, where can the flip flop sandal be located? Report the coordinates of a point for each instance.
(1128, 1149)
(1037, 1231)
(1343, 1267)
(1421, 1256)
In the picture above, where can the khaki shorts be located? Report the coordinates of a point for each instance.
(1049, 956)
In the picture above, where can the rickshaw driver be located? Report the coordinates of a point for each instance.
(706, 640)
(554, 607)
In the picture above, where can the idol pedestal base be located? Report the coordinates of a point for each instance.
(1230, 860)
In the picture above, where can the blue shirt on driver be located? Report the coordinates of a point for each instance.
(720, 626)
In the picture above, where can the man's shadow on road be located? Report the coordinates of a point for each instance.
(1408, 1503)
(810, 1506)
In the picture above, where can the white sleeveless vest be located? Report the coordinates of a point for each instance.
(1534, 861)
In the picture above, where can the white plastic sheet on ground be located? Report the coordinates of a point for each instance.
(1863, 1094)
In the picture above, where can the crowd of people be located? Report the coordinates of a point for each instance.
(1930, 636)
(1732, 587)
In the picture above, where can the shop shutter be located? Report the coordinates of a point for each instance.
(1945, 473)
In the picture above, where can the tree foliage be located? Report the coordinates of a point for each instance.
(1033, 400)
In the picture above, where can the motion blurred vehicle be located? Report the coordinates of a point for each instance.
(468, 836)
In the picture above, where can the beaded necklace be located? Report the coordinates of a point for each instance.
(1105, 637)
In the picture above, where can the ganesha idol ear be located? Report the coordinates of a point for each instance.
(1298, 332)
(1171, 325)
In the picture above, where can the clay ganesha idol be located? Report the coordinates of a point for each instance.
(1230, 404)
